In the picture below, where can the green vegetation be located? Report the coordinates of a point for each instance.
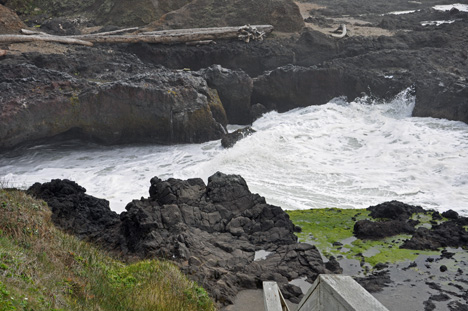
(323, 227)
(42, 268)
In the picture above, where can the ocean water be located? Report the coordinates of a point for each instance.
(342, 154)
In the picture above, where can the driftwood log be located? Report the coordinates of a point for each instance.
(337, 34)
(245, 33)
(46, 38)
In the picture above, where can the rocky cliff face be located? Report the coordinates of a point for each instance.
(159, 105)
(215, 232)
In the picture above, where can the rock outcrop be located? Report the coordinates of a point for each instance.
(220, 234)
(159, 106)
(234, 88)
(393, 218)
(284, 15)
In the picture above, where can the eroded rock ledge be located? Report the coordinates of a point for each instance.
(212, 231)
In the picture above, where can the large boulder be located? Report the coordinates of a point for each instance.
(160, 106)
(221, 234)
(284, 15)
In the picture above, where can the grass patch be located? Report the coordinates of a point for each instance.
(323, 227)
(42, 268)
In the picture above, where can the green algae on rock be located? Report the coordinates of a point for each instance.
(331, 231)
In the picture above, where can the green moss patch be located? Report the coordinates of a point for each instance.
(331, 231)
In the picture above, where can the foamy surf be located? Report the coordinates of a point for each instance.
(342, 154)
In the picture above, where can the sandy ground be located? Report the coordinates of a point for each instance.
(355, 27)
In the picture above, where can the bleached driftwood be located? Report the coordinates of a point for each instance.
(203, 42)
(200, 35)
(342, 29)
(34, 32)
(107, 33)
(265, 28)
(45, 38)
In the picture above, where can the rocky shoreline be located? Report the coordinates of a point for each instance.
(216, 233)
(220, 233)
(230, 240)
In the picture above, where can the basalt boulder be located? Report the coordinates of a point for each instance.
(220, 234)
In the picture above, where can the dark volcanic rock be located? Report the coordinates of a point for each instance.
(78, 213)
(366, 229)
(159, 106)
(394, 210)
(375, 282)
(212, 231)
(317, 86)
(447, 234)
(231, 139)
(234, 88)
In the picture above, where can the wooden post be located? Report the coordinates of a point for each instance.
(272, 297)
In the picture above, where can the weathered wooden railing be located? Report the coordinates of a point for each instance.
(329, 292)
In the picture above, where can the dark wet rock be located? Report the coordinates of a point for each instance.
(380, 266)
(159, 106)
(291, 292)
(450, 214)
(211, 230)
(375, 282)
(394, 210)
(446, 254)
(447, 234)
(443, 268)
(234, 88)
(366, 229)
(411, 265)
(257, 110)
(333, 265)
(230, 139)
(457, 306)
(317, 86)
(429, 305)
(78, 213)
(440, 297)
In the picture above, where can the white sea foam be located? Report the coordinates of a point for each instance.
(342, 154)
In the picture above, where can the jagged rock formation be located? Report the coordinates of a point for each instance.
(212, 231)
